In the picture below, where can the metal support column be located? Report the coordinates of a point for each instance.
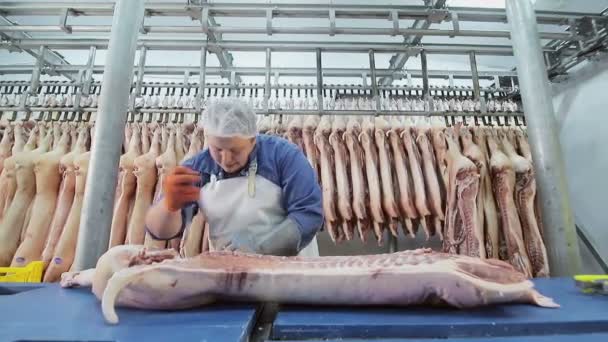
(426, 92)
(96, 219)
(143, 51)
(319, 81)
(267, 80)
(201, 80)
(560, 233)
(372, 70)
(475, 78)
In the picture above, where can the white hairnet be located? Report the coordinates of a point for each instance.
(229, 118)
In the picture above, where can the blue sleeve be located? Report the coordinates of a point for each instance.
(187, 212)
(301, 193)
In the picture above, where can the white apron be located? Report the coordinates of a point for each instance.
(248, 202)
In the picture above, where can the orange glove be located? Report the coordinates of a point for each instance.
(179, 188)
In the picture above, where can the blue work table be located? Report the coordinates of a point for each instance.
(46, 312)
(579, 314)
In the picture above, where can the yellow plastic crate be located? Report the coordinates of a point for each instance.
(32, 273)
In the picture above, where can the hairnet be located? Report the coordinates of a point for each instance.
(229, 118)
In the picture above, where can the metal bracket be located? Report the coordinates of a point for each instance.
(395, 19)
(269, 14)
(332, 22)
(142, 28)
(205, 20)
(437, 16)
(455, 24)
(63, 20)
(187, 78)
(9, 44)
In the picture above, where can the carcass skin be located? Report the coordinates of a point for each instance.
(9, 163)
(430, 175)
(15, 220)
(524, 147)
(406, 191)
(128, 184)
(433, 188)
(341, 176)
(66, 193)
(328, 185)
(474, 153)
(525, 189)
(180, 144)
(165, 132)
(310, 149)
(464, 232)
(146, 174)
(373, 179)
(294, 131)
(491, 222)
(48, 180)
(128, 136)
(64, 253)
(503, 185)
(6, 145)
(389, 204)
(164, 163)
(420, 199)
(145, 138)
(441, 154)
(205, 240)
(359, 184)
(159, 280)
(190, 243)
(164, 140)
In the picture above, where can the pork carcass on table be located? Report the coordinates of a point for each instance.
(130, 276)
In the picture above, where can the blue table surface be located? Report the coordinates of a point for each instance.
(597, 337)
(578, 314)
(50, 313)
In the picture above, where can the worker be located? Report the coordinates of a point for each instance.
(258, 193)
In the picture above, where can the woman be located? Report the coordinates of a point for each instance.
(258, 193)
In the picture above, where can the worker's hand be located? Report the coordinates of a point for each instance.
(180, 188)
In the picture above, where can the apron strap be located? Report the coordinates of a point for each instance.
(253, 169)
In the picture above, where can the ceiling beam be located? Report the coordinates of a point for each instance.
(398, 60)
(224, 57)
(50, 58)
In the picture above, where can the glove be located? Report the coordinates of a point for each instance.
(179, 188)
(283, 240)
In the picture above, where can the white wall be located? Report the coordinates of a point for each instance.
(581, 105)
